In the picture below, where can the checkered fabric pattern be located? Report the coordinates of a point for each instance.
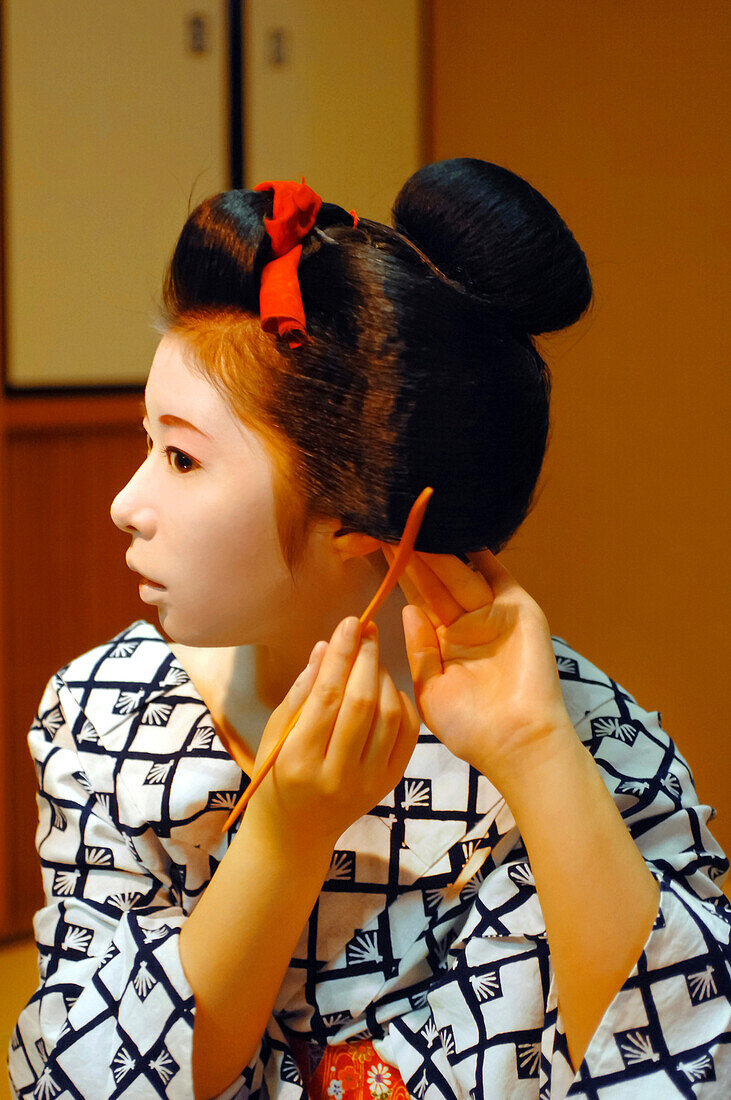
(456, 990)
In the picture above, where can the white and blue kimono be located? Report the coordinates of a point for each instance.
(455, 988)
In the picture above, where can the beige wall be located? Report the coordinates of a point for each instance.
(111, 127)
(344, 109)
(615, 112)
(114, 130)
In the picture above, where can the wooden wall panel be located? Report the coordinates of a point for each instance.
(6, 826)
(614, 114)
(66, 587)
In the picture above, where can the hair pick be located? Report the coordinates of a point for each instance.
(395, 570)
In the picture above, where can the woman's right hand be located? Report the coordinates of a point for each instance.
(348, 749)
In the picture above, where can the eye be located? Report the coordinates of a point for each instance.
(179, 460)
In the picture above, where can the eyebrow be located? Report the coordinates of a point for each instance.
(169, 418)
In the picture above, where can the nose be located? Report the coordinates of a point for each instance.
(131, 510)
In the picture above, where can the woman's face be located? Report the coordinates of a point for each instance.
(200, 510)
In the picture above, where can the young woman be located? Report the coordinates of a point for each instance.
(478, 868)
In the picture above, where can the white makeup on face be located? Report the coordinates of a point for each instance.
(201, 514)
(200, 510)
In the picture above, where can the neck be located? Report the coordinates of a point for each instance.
(241, 685)
(278, 666)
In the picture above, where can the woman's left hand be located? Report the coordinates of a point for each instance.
(481, 658)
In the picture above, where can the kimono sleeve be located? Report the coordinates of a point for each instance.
(113, 1013)
(492, 1025)
(668, 1030)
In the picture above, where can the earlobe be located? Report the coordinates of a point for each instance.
(355, 545)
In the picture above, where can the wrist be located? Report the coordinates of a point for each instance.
(284, 843)
(554, 754)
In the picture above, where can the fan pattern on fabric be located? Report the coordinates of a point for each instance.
(454, 989)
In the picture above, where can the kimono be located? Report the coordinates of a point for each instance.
(453, 984)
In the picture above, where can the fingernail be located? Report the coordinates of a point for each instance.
(315, 652)
(350, 628)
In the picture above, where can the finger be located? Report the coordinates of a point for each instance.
(302, 686)
(469, 587)
(293, 700)
(422, 647)
(433, 591)
(412, 594)
(386, 722)
(356, 714)
(494, 572)
(405, 742)
(320, 710)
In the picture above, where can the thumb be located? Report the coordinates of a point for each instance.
(422, 646)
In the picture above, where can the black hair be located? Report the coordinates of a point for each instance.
(419, 365)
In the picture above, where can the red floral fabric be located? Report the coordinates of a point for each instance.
(348, 1071)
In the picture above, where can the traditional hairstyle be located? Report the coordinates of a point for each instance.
(419, 366)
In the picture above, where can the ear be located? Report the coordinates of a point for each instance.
(355, 545)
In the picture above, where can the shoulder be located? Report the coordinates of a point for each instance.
(600, 707)
(610, 721)
(110, 680)
(592, 698)
(128, 722)
(644, 770)
(116, 679)
(137, 655)
(583, 684)
(92, 706)
(110, 695)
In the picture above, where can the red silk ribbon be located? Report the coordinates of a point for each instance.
(293, 215)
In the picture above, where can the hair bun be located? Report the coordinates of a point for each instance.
(489, 230)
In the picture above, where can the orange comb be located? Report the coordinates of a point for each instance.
(399, 563)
